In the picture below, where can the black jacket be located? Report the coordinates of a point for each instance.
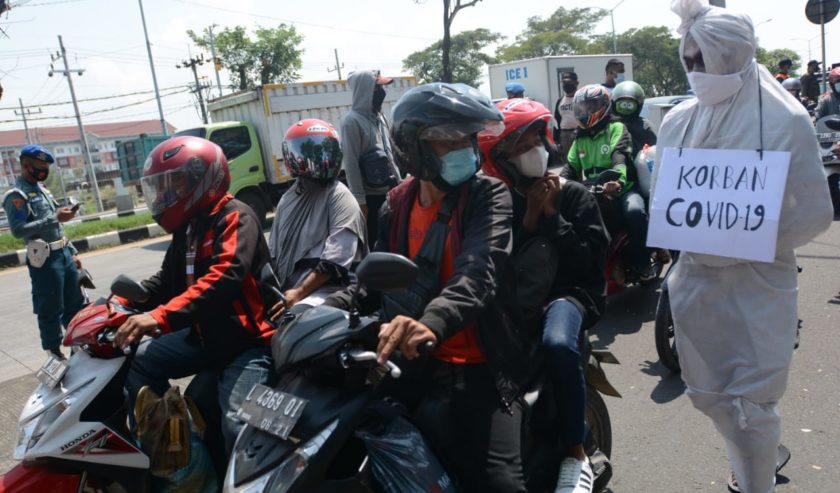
(580, 239)
(641, 133)
(224, 306)
(479, 291)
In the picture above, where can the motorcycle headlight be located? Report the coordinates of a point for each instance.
(32, 430)
(280, 479)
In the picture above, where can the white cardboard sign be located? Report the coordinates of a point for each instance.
(723, 202)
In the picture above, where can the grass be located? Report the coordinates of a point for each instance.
(9, 243)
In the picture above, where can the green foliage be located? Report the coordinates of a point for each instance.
(565, 32)
(656, 58)
(273, 56)
(467, 58)
(770, 59)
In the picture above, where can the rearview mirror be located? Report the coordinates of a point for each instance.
(833, 123)
(129, 289)
(382, 271)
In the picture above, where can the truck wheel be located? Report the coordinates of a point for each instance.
(256, 203)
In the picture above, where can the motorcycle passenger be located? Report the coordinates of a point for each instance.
(204, 302)
(602, 144)
(628, 98)
(457, 226)
(319, 230)
(561, 214)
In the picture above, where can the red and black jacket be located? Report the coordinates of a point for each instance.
(223, 307)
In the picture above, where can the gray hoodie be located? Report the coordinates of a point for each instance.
(361, 131)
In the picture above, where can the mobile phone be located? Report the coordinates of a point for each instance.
(75, 206)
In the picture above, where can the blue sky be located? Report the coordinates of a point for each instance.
(105, 37)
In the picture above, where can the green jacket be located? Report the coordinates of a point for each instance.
(31, 211)
(606, 146)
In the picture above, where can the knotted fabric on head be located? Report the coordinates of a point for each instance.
(726, 38)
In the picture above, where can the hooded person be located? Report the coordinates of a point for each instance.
(368, 161)
(318, 232)
(735, 358)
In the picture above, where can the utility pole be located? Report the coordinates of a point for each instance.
(612, 21)
(338, 66)
(152, 65)
(191, 63)
(217, 64)
(67, 72)
(24, 112)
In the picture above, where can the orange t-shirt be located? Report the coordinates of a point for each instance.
(461, 348)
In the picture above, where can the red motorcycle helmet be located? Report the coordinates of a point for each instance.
(183, 176)
(834, 76)
(520, 116)
(311, 149)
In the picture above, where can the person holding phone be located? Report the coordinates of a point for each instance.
(53, 262)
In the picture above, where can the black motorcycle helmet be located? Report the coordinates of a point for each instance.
(438, 111)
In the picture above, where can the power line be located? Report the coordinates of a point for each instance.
(102, 98)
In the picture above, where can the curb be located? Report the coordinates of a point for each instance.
(113, 238)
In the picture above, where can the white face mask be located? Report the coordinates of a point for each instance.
(711, 89)
(532, 163)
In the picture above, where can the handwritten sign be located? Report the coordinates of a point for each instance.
(723, 202)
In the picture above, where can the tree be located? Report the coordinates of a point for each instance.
(770, 59)
(565, 32)
(466, 63)
(449, 12)
(273, 57)
(656, 58)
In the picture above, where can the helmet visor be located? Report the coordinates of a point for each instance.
(161, 190)
(589, 112)
(457, 131)
(318, 156)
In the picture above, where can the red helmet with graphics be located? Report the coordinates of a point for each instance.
(591, 105)
(521, 115)
(183, 176)
(311, 150)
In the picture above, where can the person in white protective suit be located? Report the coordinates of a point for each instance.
(736, 319)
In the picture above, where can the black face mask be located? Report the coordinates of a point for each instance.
(378, 98)
(569, 87)
(38, 174)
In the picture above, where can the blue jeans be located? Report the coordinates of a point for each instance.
(172, 356)
(636, 222)
(561, 333)
(56, 295)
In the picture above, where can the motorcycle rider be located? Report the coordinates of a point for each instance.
(204, 300)
(735, 319)
(465, 398)
(318, 231)
(603, 144)
(830, 102)
(628, 99)
(551, 211)
(810, 85)
(794, 86)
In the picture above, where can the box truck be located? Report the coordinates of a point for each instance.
(249, 127)
(541, 76)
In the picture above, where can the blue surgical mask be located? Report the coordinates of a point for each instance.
(458, 166)
(619, 78)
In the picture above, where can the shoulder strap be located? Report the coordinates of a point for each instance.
(431, 251)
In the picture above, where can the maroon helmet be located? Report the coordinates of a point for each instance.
(183, 176)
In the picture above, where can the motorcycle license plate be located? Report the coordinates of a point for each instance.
(272, 411)
(52, 371)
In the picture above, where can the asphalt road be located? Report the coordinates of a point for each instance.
(660, 443)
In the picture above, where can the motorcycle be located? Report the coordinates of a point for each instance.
(72, 432)
(618, 273)
(828, 135)
(304, 434)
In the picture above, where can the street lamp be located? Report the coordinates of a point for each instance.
(765, 21)
(612, 21)
(807, 41)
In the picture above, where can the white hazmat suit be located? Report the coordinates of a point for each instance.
(736, 319)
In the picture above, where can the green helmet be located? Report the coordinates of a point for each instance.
(628, 98)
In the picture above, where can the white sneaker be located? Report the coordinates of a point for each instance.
(575, 476)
